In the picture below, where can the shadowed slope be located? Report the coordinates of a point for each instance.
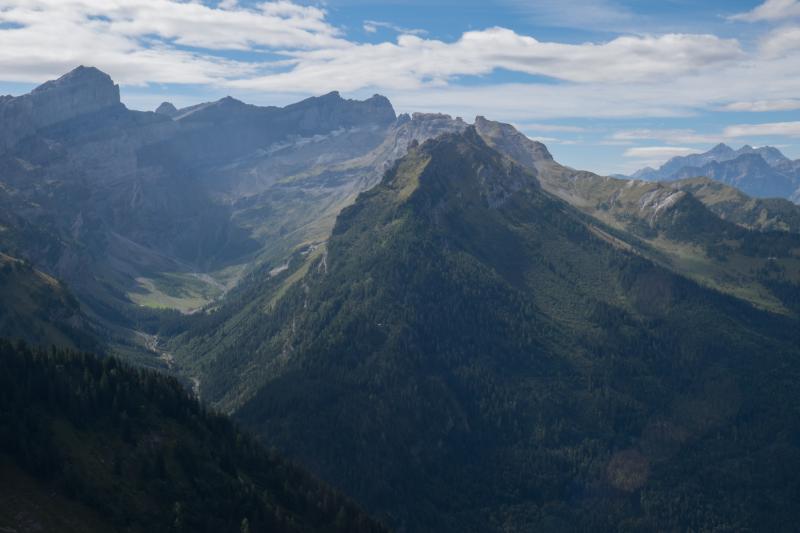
(494, 359)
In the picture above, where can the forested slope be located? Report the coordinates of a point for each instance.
(90, 444)
(470, 353)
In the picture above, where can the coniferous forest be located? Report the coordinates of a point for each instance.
(133, 451)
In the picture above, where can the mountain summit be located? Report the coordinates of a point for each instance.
(81, 91)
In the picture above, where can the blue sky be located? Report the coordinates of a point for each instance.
(608, 85)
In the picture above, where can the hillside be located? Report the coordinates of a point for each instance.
(712, 233)
(40, 310)
(470, 353)
(90, 444)
(764, 214)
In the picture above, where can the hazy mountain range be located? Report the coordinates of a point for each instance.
(434, 316)
(761, 172)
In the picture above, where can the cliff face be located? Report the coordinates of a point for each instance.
(505, 138)
(83, 90)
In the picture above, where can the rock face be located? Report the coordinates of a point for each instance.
(511, 142)
(218, 132)
(417, 127)
(84, 90)
(167, 109)
(331, 111)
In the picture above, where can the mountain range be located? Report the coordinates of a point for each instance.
(761, 172)
(436, 317)
(466, 334)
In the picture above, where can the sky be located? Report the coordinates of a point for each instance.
(608, 85)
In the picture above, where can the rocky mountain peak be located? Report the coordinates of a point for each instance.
(81, 91)
(721, 148)
(770, 154)
(461, 162)
(230, 101)
(167, 109)
(512, 142)
(78, 76)
(331, 109)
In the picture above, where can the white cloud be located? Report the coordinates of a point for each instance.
(269, 24)
(657, 152)
(672, 136)
(764, 105)
(771, 10)
(519, 103)
(650, 156)
(686, 136)
(372, 26)
(141, 41)
(560, 128)
(781, 41)
(170, 41)
(413, 62)
(782, 129)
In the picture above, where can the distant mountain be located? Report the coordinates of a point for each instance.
(719, 154)
(167, 108)
(84, 90)
(761, 172)
(749, 173)
(468, 352)
(91, 445)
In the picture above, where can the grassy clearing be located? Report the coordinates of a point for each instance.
(185, 292)
(734, 276)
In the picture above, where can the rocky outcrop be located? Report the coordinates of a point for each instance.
(509, 141)
(418, 127)
(167, 109)
(331, 111)
(84, 90)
